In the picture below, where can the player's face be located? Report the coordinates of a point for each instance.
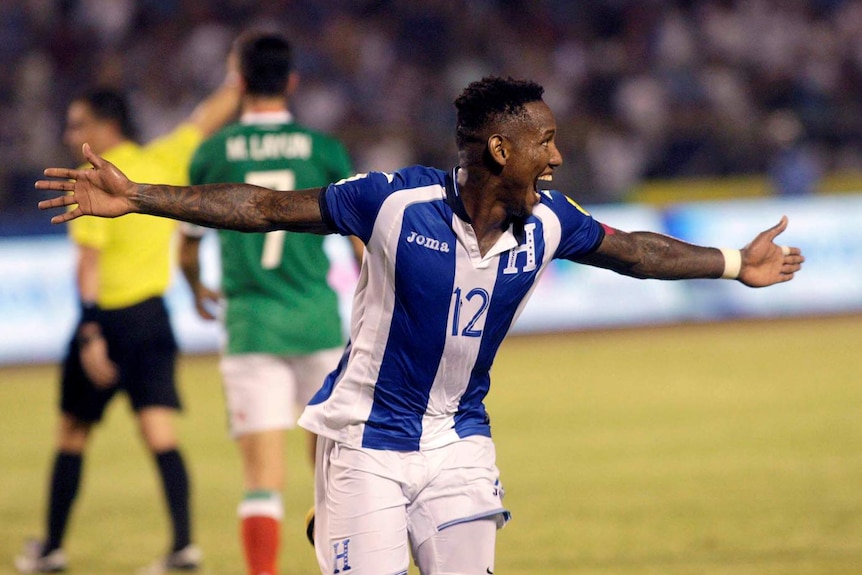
(534, 156)
(82, 126)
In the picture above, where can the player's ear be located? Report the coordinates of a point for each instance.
(497, 149)
(292, 83)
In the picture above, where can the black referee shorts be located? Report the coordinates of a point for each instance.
(142, 344)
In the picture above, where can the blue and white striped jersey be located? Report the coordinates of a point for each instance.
(430, 311)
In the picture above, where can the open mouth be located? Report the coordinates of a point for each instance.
(543, 181)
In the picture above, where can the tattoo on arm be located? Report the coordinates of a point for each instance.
(652, 255)
(240, 207)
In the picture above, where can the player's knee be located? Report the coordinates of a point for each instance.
(72, 434)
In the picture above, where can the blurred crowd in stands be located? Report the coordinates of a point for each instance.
(642, 89)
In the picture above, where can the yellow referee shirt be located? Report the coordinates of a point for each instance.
(135, 250)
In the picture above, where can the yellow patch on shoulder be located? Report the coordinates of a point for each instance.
(574, 203)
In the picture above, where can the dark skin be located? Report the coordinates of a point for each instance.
(498, 182)
(498, 178)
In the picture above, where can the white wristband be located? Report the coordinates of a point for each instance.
(732, 263)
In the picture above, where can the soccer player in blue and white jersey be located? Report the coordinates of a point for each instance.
(405, 461)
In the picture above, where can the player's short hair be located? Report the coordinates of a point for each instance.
(485, 103)
(111, 105)
(265, 62)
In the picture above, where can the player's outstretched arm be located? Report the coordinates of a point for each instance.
(106, 192)
(657, 256)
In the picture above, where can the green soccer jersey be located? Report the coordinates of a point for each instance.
(275, 284)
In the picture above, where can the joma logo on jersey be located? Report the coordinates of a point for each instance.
(428, 243)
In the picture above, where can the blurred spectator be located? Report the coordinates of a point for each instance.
(642, 88)
(794, 167)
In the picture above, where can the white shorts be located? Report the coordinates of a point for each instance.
(265, 391)
(372, 506)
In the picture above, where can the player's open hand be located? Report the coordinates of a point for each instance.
(102, 190)
(765, 263)
(101, 371)
(207, 302)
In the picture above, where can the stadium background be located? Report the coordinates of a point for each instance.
(723, 448)
(642, 90)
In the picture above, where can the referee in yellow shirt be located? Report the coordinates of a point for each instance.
(124, 340)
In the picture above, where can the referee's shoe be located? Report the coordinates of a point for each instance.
(189, 558)
(32, 560)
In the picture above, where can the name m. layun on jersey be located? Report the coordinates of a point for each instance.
(430, 311)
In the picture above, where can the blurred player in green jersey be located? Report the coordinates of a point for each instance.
(284, 332)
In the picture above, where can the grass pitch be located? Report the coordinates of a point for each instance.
(715, 449)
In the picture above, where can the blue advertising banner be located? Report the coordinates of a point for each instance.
(38, 302)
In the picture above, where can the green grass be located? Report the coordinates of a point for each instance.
(713, 449)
